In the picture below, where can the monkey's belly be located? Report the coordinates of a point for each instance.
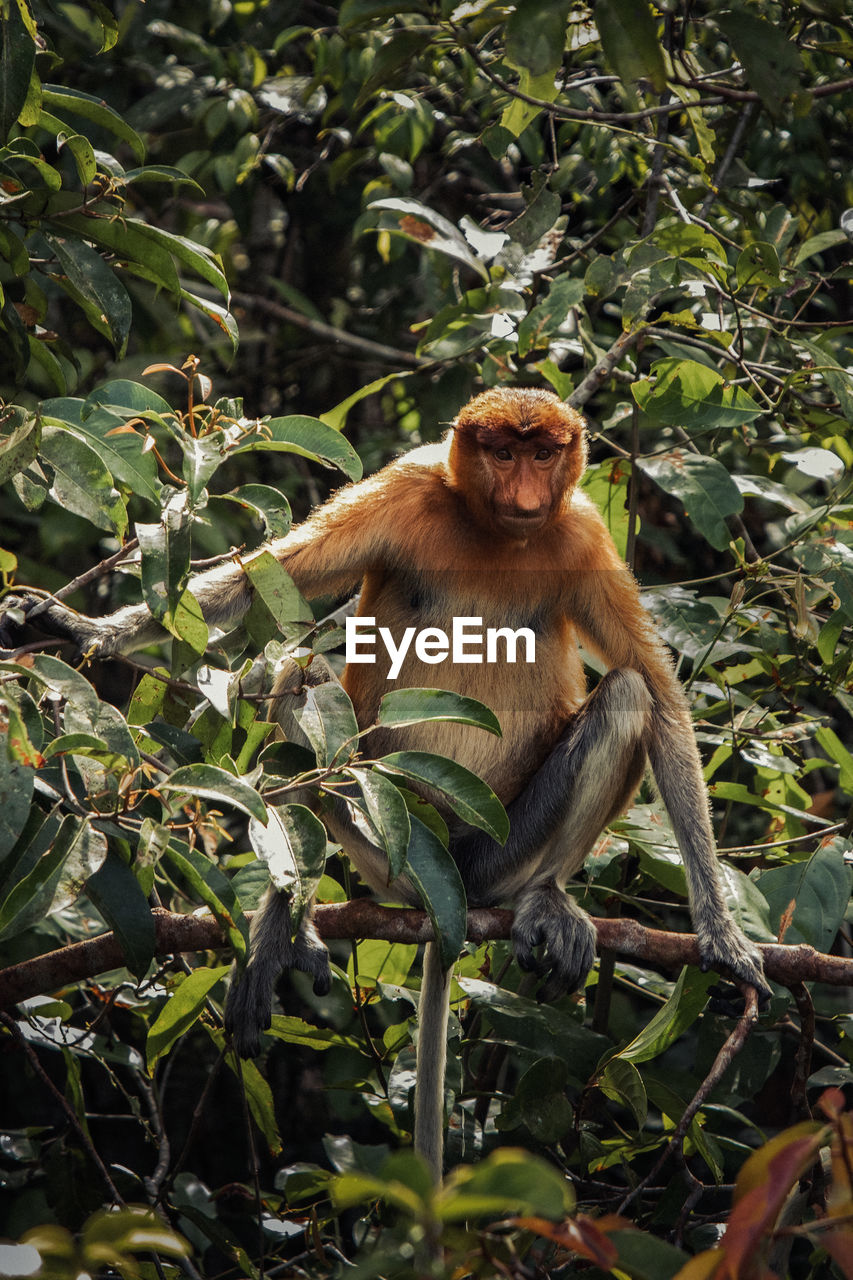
(530, 723)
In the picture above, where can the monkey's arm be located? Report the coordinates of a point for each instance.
(326, 555)
(606, 608)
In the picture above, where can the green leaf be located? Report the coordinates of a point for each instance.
(119, 446)
(295, 1031)
(771, 61)
(19, 442)
(468, 796)
(439, 885)
(101, 293)
(58, 98)
(307, 437)
(276, 600)
(267, 505)
(16, 787)
(758, 265)
(17, 58)
(403, 707)
(544, 321)
(75, 846)
(125, 398)
(337, 416)
(630, 42)
(643, 1256)
(388, 815)
(326, 716)
(81, 482)
(818, 889)
(181, 1011)
(259, 1096)
(117, 894)
(293, 845)
(687, 394)
(422, 225)
(208, 782)
(536, 35)
(508, 1181)
(165, 550)
(704, 486)
(214, 889)
(621, 1081)
(680, 1011)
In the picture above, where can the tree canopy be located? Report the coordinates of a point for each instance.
(250, 250)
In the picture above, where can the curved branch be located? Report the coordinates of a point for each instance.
(364, 918)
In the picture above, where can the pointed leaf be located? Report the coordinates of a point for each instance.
(293, 845)
(468, 796)
(414, 706)
(181, 1011)
(208, 782)
(439, 885)
(117, 894)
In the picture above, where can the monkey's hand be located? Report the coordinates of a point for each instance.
(28, 615)
(722, 946)
(248, 1007)
(546, 916)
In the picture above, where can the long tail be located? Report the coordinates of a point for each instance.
(433, 1014)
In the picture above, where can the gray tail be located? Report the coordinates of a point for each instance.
(433, 1014)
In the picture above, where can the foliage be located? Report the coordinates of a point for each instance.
(640, 206)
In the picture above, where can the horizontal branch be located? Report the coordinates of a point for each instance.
(367, 919)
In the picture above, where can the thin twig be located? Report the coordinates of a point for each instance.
(721, 1064)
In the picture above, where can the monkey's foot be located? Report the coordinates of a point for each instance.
(729, 951)
(546, 917)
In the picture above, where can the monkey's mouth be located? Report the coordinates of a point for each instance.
(522, 522)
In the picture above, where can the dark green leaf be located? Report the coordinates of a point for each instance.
(414, 706)
(58, 98)
(268, 505)
(181, 1011)
(704, 486)
(117, 894)
(104, 298)
(630, 42)
(307, 437)
(818, 891)
(81, 482)
(536, 35)
(208, 782)
(388, 815)
(17, 57)
(436, 878)
(19, 441)
(467, 795)
(772, 62)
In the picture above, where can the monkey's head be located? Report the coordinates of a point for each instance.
(515, 456)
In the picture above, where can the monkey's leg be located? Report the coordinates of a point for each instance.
(587, 781)
(271, 949)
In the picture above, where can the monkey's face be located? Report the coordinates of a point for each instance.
(516, 454)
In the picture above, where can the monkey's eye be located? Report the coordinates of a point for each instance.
(543, 455)
(503, 455)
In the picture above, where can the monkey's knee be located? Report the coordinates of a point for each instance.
(623, 701)
(546, 917)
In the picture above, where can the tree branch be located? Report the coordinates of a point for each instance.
(367, 919)
(376, 350)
